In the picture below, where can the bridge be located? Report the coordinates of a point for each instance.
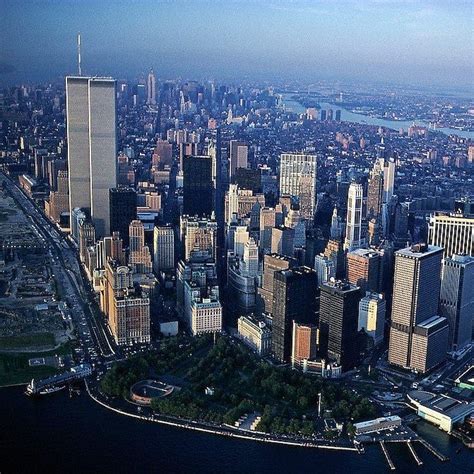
(36, 387)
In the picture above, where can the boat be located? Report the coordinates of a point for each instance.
(50, 390)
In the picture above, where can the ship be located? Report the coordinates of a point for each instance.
(50, 390)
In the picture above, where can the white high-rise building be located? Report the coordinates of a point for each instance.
(92, 146)
(372, 316)
(250, 264)
(324, 268)
(388, 179)
(298, 179)
(453, 232)
(163, 249)
(151, 88)
(355, 231)
(456, 301)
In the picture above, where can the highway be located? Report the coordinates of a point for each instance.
(96, 341)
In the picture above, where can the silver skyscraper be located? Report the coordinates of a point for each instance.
(92, 146)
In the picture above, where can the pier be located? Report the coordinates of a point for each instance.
(53, 383)
(413, 452)
(431, 448)
(387, 456)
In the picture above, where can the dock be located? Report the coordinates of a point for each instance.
(413, 452)
(387, 456)
(431, 448)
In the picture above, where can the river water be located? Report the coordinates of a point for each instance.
(348, 116)
(57, 434)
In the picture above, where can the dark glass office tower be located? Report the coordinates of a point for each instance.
(339, 313)
(197, 186)
(294, 299)
(123, 210)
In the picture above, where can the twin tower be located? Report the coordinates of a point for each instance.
(92, 146)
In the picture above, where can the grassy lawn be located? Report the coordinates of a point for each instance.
(27, 341)
(14, 367)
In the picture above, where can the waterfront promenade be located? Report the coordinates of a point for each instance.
(222, 430)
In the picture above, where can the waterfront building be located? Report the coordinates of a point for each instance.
(379, 424)
(457, 299)
(418, 337)
(92, 146)
(439, 409)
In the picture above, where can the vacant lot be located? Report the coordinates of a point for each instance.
(27, 341)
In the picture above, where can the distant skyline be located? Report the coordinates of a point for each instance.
(424, 42)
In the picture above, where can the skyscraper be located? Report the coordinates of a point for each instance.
(372, 316)
(199, 238)
(163, 249)
(418, 337)
(355, 227)
(123, 210)
(151, 88)
(92, 146)
(139, 255)
(298, 179)
(238, 156)
(198, 190)
(338, 319)
(272, 263)
(375, 191)
(453, 232)
(127, 311)
(294, 299)
(364, 269)
(457, 299)
(388, 179)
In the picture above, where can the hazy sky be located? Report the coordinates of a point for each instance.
(418, 42)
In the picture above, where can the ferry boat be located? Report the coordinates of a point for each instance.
(49, 390)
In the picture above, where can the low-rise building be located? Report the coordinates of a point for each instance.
(441, 410)
(255, 333)
(379, 424)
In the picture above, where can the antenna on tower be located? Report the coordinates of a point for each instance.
(79, 54)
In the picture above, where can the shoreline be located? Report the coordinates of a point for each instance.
(196, 426)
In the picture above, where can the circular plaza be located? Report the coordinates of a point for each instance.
(144, 391)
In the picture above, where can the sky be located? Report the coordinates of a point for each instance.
(418, 42)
